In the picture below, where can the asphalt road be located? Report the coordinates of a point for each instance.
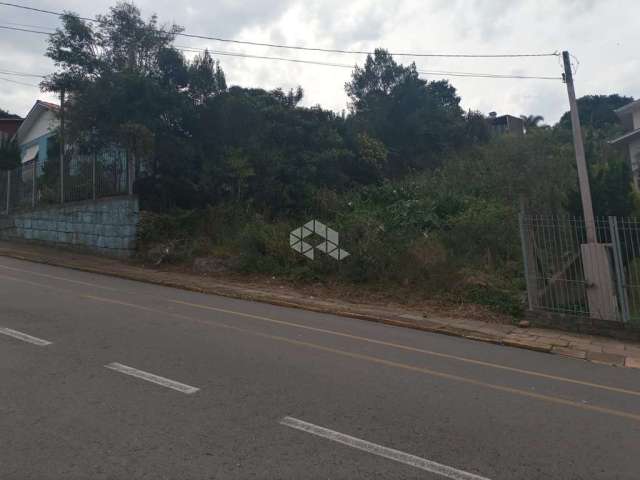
(141, 381)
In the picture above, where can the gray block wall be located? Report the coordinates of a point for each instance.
(107, 226)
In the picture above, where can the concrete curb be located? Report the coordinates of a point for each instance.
(475, 335)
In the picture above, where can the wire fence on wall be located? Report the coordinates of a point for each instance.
(81, 177)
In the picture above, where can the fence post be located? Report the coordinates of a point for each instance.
(619, 268)
(93, 175)
(62, 177)
(62, 144)
(525, 258)
(8, 190)
(35, 182)
(131, 172)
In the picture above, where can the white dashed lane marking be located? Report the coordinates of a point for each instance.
(150, 377)
(375, 449)
(24, 337)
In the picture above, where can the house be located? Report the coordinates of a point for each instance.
(505, 124)
(630, 118)
(37, 131)
(9, 127)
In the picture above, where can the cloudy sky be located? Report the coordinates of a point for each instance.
(603, 36)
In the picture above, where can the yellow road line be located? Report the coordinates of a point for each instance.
(388, 363)
(37, 284)
(414, 349)
(54, 277)
(342, 334)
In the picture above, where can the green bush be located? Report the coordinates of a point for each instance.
(485, 232)
(505, 301)
(264, 247)
(400, 235)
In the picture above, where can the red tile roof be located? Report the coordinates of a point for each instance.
(49, 105)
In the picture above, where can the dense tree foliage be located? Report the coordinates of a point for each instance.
(5, 114)
(9, 153)
(199, 142)
(532, 122)
(417, 120)
(209, 143)
(597, 111)
(421, 190)
(612, 188)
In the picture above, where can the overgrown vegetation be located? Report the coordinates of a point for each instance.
(424, 198)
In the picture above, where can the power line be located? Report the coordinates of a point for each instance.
(342, 65)
(364, 52)
(30, 26)
(338, 65)
(309, 49)
(329, 64)
(20, 74)
(25, 30)
(19, 83)
(326, 64)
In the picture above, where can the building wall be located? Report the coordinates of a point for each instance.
(516, 126)
(636, 119)
(39, 134)
(634, 159)
(42, 143)
(107, 226)
(45, 124)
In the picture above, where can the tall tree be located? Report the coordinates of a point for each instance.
(9, 153)
(597, 111)
(111, 62)
(376, 82)
(417, 120)
(124, 77)
(532, 121)
(206, 78)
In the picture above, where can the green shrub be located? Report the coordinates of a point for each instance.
(264, 247)
(484, 233)
(399, 235)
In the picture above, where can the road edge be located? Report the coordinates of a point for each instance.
(230, 292)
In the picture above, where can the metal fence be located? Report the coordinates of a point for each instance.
(80, 177)
(566, 274)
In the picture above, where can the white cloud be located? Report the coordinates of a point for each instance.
(602, 35)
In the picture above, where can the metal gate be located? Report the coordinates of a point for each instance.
(565, 274)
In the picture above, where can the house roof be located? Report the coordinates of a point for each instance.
(38, 108)
(9, 126)
(628, 109)
(625, 114)
(626, 138)
(52, 106)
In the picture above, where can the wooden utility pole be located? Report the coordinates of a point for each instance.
(62, 145)
(583, 174)
(596, 262)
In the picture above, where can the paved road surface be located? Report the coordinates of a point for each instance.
(141, 381)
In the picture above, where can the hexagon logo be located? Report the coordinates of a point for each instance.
(330, 243)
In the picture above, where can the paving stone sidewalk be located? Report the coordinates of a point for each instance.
(586, 347)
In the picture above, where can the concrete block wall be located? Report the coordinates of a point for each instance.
(107, 226)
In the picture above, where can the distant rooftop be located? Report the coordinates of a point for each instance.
(628, 109)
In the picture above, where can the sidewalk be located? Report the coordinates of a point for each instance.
(587, 347)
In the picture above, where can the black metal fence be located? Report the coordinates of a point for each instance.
(79, 177)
